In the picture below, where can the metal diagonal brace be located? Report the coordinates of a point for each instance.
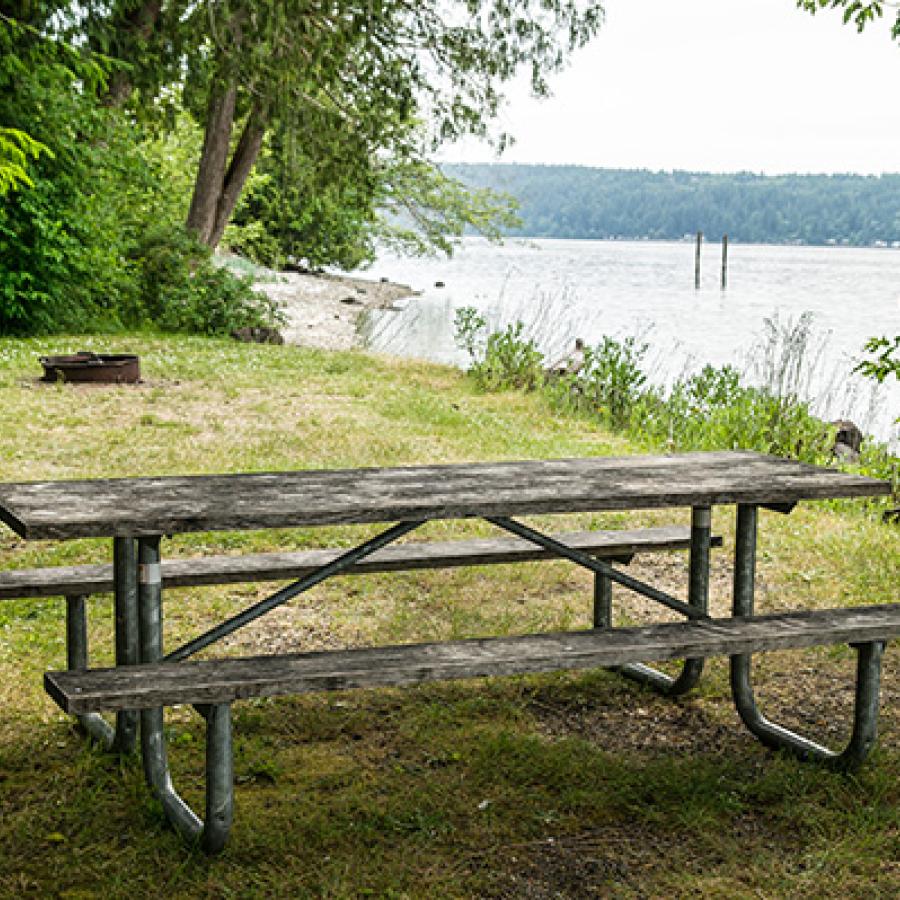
(772, 735)
(335, 567)
(595, 565)
(212, 833)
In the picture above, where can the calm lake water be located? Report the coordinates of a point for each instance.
(565, 289)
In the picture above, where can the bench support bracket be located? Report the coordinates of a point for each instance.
(772, 735)
(698, 597)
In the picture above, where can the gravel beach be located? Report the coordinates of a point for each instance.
(322, 310)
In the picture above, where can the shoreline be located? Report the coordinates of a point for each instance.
(323, 310)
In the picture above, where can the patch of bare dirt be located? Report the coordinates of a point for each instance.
(611, 861)
(595, 864)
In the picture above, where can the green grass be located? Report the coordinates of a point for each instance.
(551, 786)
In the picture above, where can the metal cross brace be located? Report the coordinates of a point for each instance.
(292, 590)
(595, 565)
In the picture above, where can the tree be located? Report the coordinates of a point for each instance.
(861, 14)
(302, 205)
(884, 359)
(16, 147)
(62, 239)
(365, 74)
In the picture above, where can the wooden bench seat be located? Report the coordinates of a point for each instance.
(221, 569)
(226, 680)
(77, 583)
(213, 685)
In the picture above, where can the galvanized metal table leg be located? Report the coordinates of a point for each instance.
(698, 597)
(96, 727)
(868, 673)
(213, 833)
(602, 600)
(126, 630)
(123, 737)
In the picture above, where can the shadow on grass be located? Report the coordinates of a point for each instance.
(532, 787)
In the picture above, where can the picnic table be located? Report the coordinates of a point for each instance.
(137, 512)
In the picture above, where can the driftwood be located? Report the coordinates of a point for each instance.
(258, 335)
(847, 440)
(570, 363)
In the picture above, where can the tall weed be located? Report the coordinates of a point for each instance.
(612, 380)
(715, 408)
(500, 359)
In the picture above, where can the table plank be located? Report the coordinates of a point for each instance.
(175, 504)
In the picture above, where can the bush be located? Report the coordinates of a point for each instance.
(182, 289)
(470, 332)
(92, 240)
(755, 419)
(884, 359)
(501, 359)
(510, 361)
(65, 233)
(611, 381)
(712, 409)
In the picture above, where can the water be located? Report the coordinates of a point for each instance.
(564, 289)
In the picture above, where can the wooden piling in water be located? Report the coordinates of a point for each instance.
(697, 260)
(724, 261)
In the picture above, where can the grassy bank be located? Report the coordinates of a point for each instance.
(551, 786)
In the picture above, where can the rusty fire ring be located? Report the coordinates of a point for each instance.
(97, 368)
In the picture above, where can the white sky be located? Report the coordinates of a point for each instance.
(715, 85)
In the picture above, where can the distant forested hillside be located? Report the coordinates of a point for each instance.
(578, 202)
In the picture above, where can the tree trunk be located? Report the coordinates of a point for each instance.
(241, 165)
(210, 179)
(131, 31)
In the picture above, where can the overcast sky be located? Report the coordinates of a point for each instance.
(716, 85)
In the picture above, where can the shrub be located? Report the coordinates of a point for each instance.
(710, 389)
(470, 332)
(183, 290)
(884, 358)
(510, 361)
(710, 410)
(758, 420)
(611, 381)
(501, 359)
(64, 233)
(713, 410)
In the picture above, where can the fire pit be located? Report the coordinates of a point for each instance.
(113, 368)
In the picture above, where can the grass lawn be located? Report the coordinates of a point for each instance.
(553, 786)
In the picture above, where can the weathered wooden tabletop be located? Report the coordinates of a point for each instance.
(169, 505)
